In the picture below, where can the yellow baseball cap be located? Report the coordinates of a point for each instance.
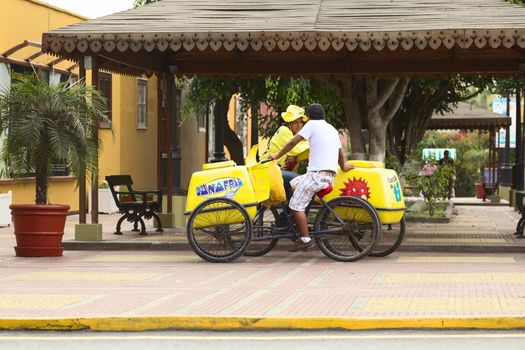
(292, 113)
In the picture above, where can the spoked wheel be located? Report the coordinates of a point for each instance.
(390, 238)
(219, 230)
(352, 226)
(263, 219)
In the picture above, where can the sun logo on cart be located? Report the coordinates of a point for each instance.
(356, 188)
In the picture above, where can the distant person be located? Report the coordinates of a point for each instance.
(427, 170)
(446, 160)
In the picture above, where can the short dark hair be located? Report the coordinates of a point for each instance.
(315, 111)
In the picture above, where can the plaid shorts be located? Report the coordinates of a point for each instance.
(306, 186)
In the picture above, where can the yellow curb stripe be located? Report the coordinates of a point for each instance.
(238, 323)
(455, 240)
(456, 259)
(454, 232)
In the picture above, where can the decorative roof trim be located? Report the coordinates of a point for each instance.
(468, 123)
(284, 41)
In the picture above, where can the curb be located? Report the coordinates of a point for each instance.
(185, 246)
(150, 323)
(101, 245)
(434, 220)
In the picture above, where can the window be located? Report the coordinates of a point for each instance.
(211, 132)
(5, 77)
(104, 86)
(142, 105)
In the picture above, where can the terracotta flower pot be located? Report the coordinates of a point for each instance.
(39, 229)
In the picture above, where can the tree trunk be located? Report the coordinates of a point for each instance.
(41, 176)
(353, 117)
(383, 99)
(231, 141)
(410, 123)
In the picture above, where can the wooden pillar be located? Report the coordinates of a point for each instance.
(219, 121)
(494, 161)
(519, 144)
(169, 138)
(518, 166)
(254, 130)
(160, 144)
(94, 179)
(82, 180)
(491, 146)
(506, 167)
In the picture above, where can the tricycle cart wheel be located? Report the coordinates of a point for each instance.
(390, 238)
(347, 228)
(219, 230)
(259, 244)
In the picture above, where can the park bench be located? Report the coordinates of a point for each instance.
(134, 205)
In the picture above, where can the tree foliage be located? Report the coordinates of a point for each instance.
(46, 123)
(425, 97)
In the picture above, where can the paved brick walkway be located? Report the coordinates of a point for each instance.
(407, 284)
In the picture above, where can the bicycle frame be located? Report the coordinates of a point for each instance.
(273, 233)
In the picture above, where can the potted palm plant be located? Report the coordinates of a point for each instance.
(43, 123)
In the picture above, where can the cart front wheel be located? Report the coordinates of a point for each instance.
(219, 230)
(347, 228)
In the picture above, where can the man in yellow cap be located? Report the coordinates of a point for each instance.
(294, 119)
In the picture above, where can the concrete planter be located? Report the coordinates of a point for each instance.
(5, 212)
(106, 203)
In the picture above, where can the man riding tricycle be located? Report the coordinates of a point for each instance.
(232, 211)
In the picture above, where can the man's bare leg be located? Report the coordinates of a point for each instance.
(301, 221)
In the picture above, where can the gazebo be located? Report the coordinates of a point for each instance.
(319, 38)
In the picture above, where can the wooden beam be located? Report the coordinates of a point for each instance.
(138, 61)
(357, 67)
(94, 178)
(35, 55)
(159, 132)
(33, 64)
(169, 139)
(20, 46)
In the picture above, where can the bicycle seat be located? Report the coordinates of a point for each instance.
(325, 191)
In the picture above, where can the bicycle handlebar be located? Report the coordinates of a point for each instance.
(265, 161)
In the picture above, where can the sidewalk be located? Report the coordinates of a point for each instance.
(477, 227)
(140, 289)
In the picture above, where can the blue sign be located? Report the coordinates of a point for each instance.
(223, 187)
(397, 192)
(499, 105)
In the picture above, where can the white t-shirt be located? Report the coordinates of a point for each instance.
(324, 145)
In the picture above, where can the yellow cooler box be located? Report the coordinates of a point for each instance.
(221, 180)
(379, 186)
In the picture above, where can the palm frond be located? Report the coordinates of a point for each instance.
(43, 123)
